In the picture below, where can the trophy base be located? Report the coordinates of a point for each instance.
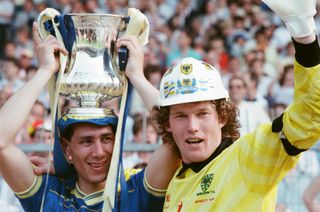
(89, 113)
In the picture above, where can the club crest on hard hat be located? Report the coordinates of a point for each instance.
(187, 86)
(186, 68)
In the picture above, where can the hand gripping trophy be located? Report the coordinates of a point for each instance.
(91, 73)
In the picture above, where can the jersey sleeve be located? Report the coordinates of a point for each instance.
(31, 198)
(142, 196)
(263, 159)
(301, 121)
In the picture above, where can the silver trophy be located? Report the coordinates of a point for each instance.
(92, 74)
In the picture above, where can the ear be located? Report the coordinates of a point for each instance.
(168, 127)
(65, 144)
(223, 122)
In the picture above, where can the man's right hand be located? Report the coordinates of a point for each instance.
(134, 67)
(134, 71)
(47, 50)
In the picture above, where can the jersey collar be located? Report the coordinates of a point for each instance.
(197, 166)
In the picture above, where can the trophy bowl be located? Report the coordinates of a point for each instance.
(92, 73)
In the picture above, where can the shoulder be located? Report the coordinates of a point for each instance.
(128, 173)
(54, 182)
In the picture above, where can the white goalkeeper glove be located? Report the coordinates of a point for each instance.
(296, 14)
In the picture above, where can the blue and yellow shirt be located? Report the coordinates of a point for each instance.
(65, 195)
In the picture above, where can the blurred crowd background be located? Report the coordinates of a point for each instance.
(243, 39)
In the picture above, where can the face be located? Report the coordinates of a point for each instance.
(11, 70)
(184, 41)
(289, 78)
(196, 130)
(257, 67)
(90, 151)
(234, 66)
(151, 135)
(37, 111)
(237, 90)
(42, 136)
(155, 78)
(217, 45)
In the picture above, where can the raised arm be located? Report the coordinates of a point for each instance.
(162, 165)
(15, 166)
(301, 122)
(165, 160)
(299, 127)
(134, 71)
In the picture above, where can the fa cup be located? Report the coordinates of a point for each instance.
(94, 67)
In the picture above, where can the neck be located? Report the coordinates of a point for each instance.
(197, 166)
(89, 188)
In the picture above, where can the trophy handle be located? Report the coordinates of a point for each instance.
(50, 21)
(45, 22)
(123, 54)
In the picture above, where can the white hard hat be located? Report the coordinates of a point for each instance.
(191, 80)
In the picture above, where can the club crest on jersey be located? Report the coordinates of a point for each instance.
(205, 184)
(187, 86)
(186, 68)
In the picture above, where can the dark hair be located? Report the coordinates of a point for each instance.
(235, 77)
(138, 124)
(31, 67)
(14, 61)
(226, 110)
(152, 68)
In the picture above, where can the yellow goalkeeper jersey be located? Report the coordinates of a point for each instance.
(244, 176)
